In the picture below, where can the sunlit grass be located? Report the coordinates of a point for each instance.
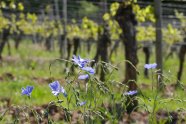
(32, 61)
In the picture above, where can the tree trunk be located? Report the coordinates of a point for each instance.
(104, 43)
(61, 45)
(146, 50)
(48, 42)
(158, 16)
(181, 59)
(96, 57)
(159, 55)
(89, 43)
(126, 19)
(17, 39)
(102, 50)
(76, 41)
(114, 48)
(5, 35)
(69, 48)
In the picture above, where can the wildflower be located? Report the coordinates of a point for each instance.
(85, 76)
(27, 91)
(131, 92)
(150, 66)
(82, 77)
(82, 103)
(79, 61)
(82, 63)
(56, 88)
(89, 70)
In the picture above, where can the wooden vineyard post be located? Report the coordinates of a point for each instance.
(105, 6)
(159, 60)
(58, 21)
(64, 44)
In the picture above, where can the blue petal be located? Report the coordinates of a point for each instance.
(79, 61)
(89, 69)
(154, 65)
(27, 91)
(24, 91)
(57, 89)
(83, 77)
(131, 92)
(55, 86)
(29, 88)
(64, 92)
(150, 66)
(82, 103)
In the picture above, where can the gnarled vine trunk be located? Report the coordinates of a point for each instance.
(48, 42)
(5, 35)
(18, 38)
(181, 59)
(146, 50)
(102, 49)
(75, 44)
(126, 19)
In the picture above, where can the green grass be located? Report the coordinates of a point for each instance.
(32, 61)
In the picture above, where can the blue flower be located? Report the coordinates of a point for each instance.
(27, 91)
(82, 63)
(82, 103)
(89, 70)
(57, 89)
(131, 92)
(150, 66)
(79, 61)
(83, 77)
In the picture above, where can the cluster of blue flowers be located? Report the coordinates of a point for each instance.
(82, 63)
(54, 86)
(57, 88)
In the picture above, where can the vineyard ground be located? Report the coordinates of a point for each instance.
(29, 65)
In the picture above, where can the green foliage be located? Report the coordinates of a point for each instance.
(115, 29)
(89, 27)
(114, 7)
(12, 5)
(144, 14)
(170, 34)
(182, 19)
(20, 7)
(2, 4)
(145, 33)
(28, 23)
(4, 22)
(73, 30)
